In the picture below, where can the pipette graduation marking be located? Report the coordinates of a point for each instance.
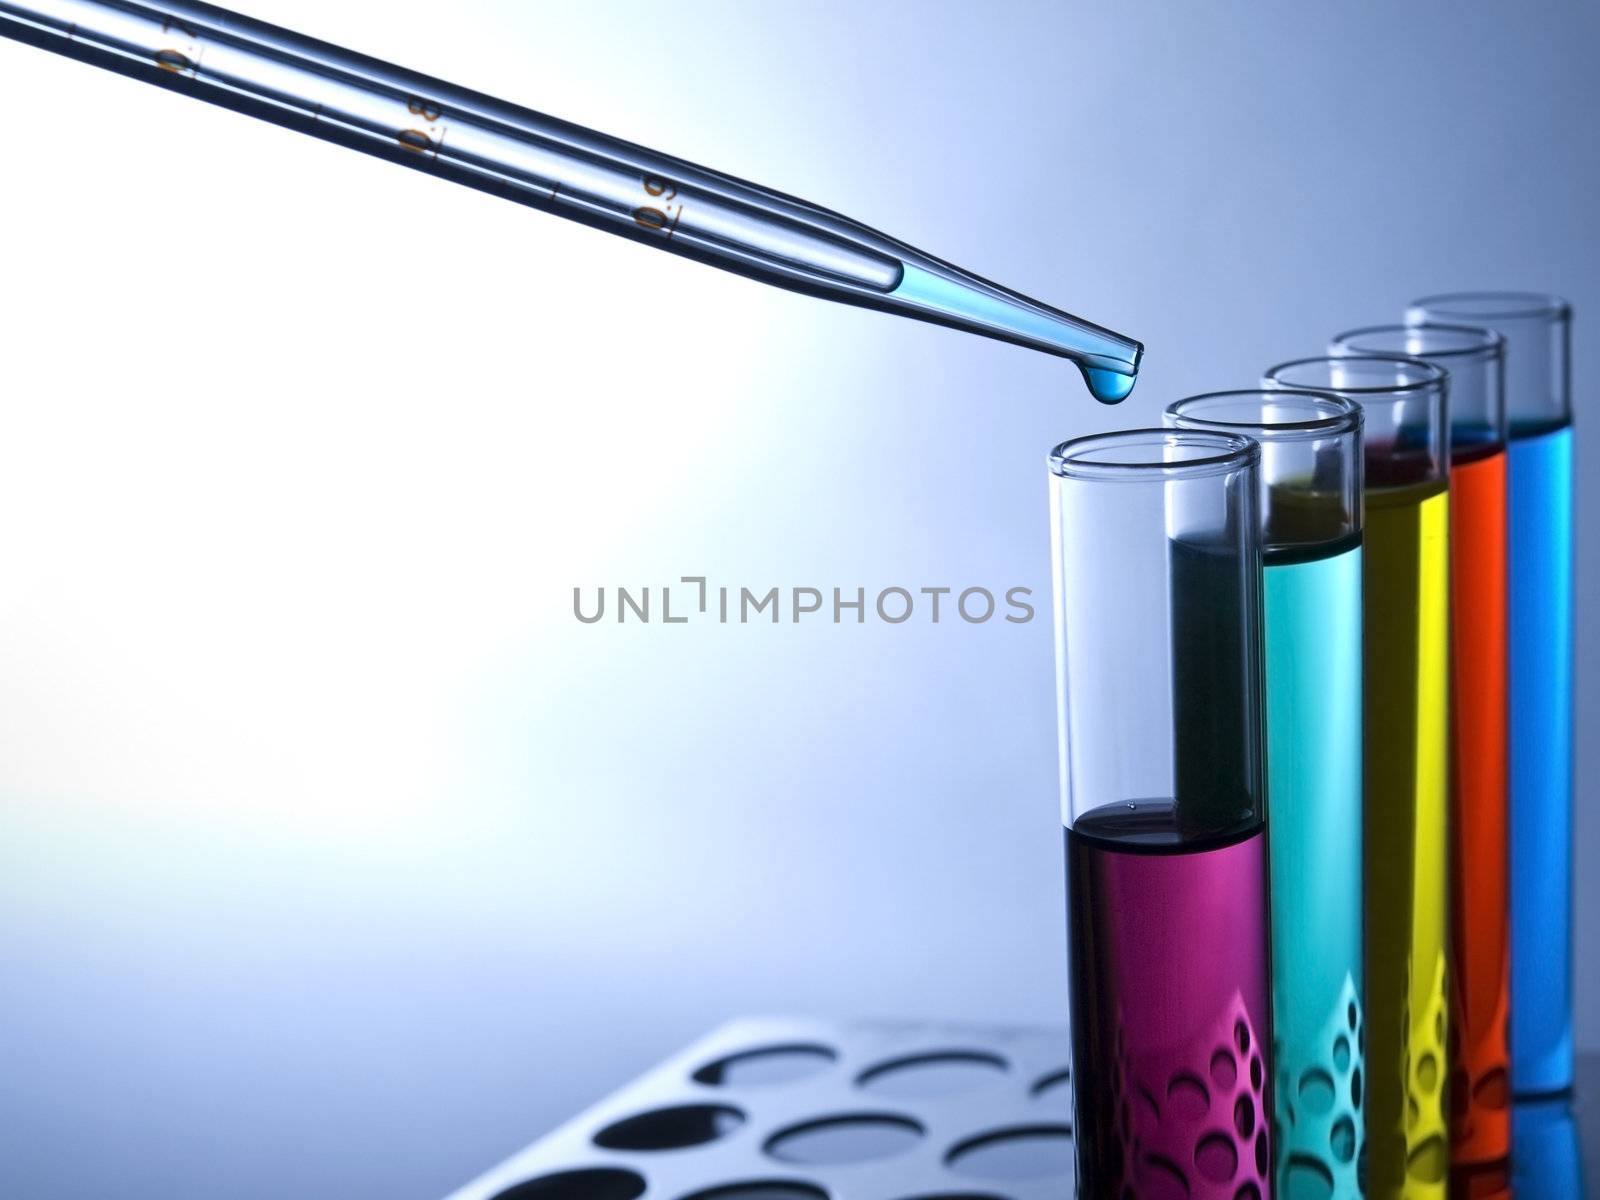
(473, 139)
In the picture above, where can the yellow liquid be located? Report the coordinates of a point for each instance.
(1407, 775)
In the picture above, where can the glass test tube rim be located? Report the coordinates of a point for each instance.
(1428, 382)
(1516, 305)
(1347, 415)
(1225, 452)
(1486, 344)
(1537, 327)
(1433, 377)
(1338, 421)
(1482, 348)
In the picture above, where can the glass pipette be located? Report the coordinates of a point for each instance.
(300, 83)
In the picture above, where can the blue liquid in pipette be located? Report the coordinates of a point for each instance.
(947, 296)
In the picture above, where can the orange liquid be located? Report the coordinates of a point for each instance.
(1480, 1089)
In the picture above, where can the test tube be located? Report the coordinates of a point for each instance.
(1310, 511)
(1480, 957)
(1406, 668)
(1537, 330)
(1157, 580)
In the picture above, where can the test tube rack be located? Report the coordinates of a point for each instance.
(803, 1109)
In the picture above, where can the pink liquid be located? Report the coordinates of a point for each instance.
(1171, 1021)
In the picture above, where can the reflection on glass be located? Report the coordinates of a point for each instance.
(1546, 1164)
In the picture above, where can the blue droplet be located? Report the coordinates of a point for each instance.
(1108, 387)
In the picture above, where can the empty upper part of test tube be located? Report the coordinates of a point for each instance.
(424, 123)
(1475, 361)
(1537, 328)
(1405, 438)
(1157, 569)
(1311, 466)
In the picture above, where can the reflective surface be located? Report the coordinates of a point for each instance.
(1009, 1139)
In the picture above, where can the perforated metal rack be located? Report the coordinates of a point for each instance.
(798, 1109)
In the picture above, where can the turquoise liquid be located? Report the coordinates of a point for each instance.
(1540, 554)
(943, 295)
(1314, 831)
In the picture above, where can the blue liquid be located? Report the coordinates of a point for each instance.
(1540, 555)
(1108, 387)
(943, 295)
(1547, 1161)
(1314, 830)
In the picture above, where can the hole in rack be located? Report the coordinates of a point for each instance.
(1055, 1086)
(767, 1065)
(923, 1076)
(759, 1190)
(1030, 1152)
(592, 1184)
(835, 1141)
(671, 1128)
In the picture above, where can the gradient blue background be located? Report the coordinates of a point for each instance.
(336, 858)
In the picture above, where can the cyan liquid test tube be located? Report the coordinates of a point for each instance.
(1406, 759)
(1157, 580)
(1310, 510)
(1537, 329)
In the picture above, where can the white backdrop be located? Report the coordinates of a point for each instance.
(336, 857)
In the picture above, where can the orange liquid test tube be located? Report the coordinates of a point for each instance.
(1480, 1087)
